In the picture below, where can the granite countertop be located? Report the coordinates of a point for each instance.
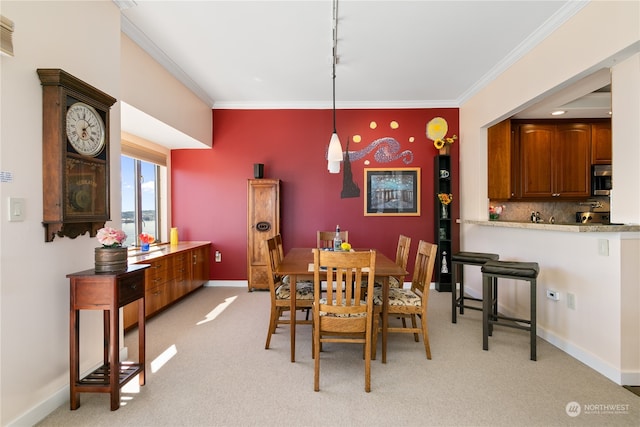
(571, 227)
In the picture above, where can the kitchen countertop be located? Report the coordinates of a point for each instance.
(572, 227)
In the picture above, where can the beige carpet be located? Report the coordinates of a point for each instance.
(219, 374)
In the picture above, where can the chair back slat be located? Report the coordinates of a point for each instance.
(324, 239)
(402, 251)
(274, 259)
(423, 269)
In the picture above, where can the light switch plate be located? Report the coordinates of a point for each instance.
(16, 209)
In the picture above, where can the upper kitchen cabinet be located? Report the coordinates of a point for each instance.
(500, 154)
(554, 160)
(601, 143)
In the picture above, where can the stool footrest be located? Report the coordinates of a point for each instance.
(494, 319)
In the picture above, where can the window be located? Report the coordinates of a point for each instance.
(140, 198)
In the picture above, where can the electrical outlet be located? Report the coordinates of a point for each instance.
(571, 301)
(603, 247)
(554, 295)
(218, 256)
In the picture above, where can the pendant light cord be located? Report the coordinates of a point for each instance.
(335, 58)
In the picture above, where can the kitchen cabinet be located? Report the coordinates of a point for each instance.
(500, 154)
(543, 159)
(263, 222)
(174, 272)
(443, 227)
(601, 152)
(554, 160)
(199, 263)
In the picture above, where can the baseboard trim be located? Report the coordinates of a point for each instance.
(617, 376)
(40, 411)
(229, 283)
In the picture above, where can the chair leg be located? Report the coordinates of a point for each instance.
(416, 337)
(275, 313)
(425, 336)
(316, 356)
(374, 335)
(367, 368)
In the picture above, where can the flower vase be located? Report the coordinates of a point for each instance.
(445, 212)
(445, 150)
(108, 260)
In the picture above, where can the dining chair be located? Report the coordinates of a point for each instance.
(343, 316)
(324, 239)
(402, 257)
(280, 291)
(411, 303)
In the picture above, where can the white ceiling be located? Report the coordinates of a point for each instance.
(392, 54)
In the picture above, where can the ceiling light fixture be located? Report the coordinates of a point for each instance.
(558, 112)
(334, 154)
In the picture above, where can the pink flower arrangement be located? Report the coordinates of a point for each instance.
(110, 237)
(495, 211)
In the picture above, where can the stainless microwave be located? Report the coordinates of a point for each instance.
(601, 180)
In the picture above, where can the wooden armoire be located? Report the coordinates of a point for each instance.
(263, 222)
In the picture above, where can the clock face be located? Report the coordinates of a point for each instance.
(85, 129)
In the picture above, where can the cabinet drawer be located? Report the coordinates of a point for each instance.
(131, 288)
(156, 298)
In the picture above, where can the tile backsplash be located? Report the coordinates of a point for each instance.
(564, 212)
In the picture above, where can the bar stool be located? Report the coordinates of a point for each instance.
(522, 271)
(458, 261)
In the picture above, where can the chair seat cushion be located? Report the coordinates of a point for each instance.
(393, 282)
(512, 268)
(324, 313)
(398, 296)
(304, 290)
(473, 257)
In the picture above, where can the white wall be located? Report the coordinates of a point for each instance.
(598, 330)
(153, 90)
(35, 292)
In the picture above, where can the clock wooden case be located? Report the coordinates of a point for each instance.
(75, 155)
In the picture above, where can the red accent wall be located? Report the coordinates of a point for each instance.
(209, 186)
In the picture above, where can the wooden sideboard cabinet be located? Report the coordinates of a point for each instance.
(174, 272)
(107, 292)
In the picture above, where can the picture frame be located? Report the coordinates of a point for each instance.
(392, 191)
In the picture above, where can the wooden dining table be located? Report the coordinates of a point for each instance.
(296, 263)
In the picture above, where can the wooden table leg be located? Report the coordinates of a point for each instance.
(141, 340)
(293, 281)
(74, 345)
(114, 359)
(385, 316)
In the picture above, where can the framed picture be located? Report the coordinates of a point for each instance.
(392, 191)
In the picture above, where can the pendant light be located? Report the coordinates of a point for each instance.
(334, 154)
